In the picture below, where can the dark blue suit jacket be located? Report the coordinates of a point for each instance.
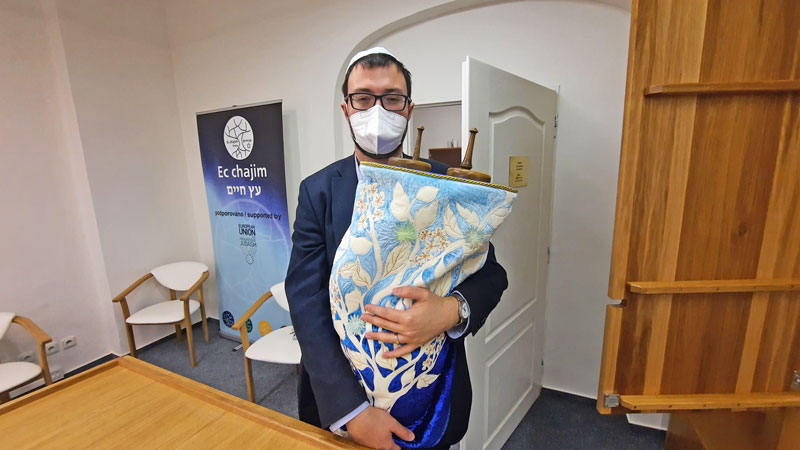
(328, 390)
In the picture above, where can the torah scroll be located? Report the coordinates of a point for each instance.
(410, 228)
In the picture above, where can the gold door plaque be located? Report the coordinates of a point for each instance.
(517, 171)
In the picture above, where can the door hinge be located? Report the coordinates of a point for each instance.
(796, 381)
(611, 400)
(555, 127)
(548, 254)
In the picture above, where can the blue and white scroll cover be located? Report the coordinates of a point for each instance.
(410, 228)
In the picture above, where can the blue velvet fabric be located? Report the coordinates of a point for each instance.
(427, 416)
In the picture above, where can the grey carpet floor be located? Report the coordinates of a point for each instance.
(556, 420)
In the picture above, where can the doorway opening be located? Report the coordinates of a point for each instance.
(441, 139)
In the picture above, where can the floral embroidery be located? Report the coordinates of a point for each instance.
(474, 237)
(432, 349)
(361, 205)
(355, 326)
(434, 241)
(362, 221)
(406, 233)
(377, 199)
(407, 230)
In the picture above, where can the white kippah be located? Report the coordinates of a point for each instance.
(372, 51)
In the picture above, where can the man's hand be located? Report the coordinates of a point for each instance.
(374, 428)
(428, 317)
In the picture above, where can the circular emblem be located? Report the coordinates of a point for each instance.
(249, 325)
(227, 319)
(264, 327)
(238, 137)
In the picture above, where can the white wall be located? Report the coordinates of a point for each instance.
(48, 237)
(120, 68)
(95, 183)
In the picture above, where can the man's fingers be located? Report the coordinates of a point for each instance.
(412, 292)
(402, 432)
(395, 315)
(389, 338)
(381, 322)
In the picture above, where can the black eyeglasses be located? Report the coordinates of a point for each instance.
(390, 102)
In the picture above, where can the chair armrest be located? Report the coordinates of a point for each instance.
(252, 310)
(194, 287)
(40, 336)
(132, 287)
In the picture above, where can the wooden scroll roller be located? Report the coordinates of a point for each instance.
(413, 163)
(464, 171)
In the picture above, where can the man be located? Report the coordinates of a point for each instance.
(377, 105)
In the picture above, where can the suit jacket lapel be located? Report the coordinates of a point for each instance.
(343, 189)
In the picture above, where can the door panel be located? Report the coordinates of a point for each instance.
(508, 130)
(514, 117)
(514, 355)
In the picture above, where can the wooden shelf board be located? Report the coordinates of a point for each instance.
(749, 87)
(709, 401)
(712, 286)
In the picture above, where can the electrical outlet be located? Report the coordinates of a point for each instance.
(26, 357)
(51, 348)
(68, 342)
(56, 373)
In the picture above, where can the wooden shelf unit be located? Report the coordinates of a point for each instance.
(712, 286)
(709, 401)
(744, 87)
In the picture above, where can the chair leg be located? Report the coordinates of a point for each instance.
(131, 341)
(178, 333)
(44, 365)
(205, 323)
(248, 374)
(190, 340)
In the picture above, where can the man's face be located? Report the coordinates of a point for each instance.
(378, 81)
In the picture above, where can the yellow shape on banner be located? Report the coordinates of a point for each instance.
(264, 327)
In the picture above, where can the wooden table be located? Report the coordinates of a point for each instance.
(128, 403)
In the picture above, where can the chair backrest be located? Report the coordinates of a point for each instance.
(5, 321)
(279, 292)
(179, 276)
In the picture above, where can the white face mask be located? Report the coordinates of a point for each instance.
(377, 130)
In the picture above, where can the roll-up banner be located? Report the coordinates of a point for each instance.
(242, 153)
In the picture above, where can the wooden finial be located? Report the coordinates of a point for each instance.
(464, 171)
(414, 163)
(420, 129)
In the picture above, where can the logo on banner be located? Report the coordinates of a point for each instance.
(247, 240)
(238, 137)
(227, 319)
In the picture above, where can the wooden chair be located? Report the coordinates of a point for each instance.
(278, 346)
(185, 276)
(19, 373)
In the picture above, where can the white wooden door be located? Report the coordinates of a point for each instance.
(514, 117)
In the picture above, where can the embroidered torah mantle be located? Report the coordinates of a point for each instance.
(409, 228)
